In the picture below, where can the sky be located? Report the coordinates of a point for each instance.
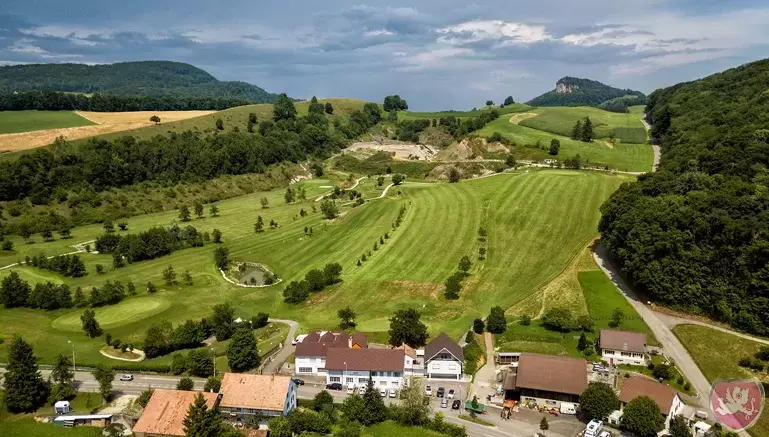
(437, 54)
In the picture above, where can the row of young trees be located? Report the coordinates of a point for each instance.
(65, 265)
(59, 101)
(583, 131)
(16, 292)
(315, 280)
(150, 244)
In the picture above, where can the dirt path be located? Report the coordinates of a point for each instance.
(61, 254)
(357, 181)
(517, 118)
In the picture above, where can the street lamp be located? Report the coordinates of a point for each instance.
(214, 354)
(74, 367)
(345, 372)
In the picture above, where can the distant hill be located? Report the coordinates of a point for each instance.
(148, 78)
(572, 91)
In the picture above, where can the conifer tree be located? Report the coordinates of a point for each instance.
(576, 132)
(587, 130)
(25, 389)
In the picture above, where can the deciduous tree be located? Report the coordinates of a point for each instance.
(283, 108)
(185, 384)
(407, 328)
(347, 317)
(184, 213)
(478, 326)
(642, 417)
(104, 376)
(221, 257)
(496, 322)
(242, 353)
(265, 203)
(223, 321)
(14, 291)
(214, 210)
(155, 119)
(90, 324)
(555, 146)
(198, 209)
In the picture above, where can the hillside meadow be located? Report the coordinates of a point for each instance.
(536, 222)
(26, 121)
(561, 120)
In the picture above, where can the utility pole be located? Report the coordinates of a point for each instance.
(214, 354)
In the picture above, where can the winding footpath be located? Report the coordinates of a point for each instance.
(655, 148)
(277, 360)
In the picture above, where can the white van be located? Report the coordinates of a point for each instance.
(567, 408)
(594, 428)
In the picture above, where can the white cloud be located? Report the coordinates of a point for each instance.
(503, 31)
(378, 32)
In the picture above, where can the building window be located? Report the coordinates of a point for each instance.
(452, 367)
(305, 370)
(321, 369)
(608, 352)
(373, 374)
(349, 380)
(363, 380)
(383, 383)
(551, 402)
(397, 374)
(335, 379)
(436, 366)
(627, 354)
(395, 383)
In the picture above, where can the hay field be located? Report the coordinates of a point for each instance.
(104, 123)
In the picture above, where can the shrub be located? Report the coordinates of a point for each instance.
(560, 319)
(661, 371)
(525, 320)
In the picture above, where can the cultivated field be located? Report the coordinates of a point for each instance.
(717, 353)
(76, 125)
(536, 220)
(623, 156)
(561, 120)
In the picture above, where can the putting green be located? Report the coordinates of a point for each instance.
(126, 312)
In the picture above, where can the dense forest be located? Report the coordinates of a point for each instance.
(61, 101)
(148, 78)
(583, 92)
(695, 234)
(190, 156)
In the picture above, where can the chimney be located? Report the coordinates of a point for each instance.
(349, 342)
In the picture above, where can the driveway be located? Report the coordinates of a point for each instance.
(484, 377)
(277, 360)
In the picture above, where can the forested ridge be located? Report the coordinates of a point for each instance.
(695, 234)
(61, 101)
(147, 78)
(586, 92)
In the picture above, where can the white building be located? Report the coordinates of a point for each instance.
(443, 358)
(623, 347)
(311, 351)
(666, 398)
(353, 367)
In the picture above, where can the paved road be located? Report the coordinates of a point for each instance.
(279, 358)
(485, 375)
(671, 345)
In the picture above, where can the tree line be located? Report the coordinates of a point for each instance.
(150, 244)
(188, 156)
(315, 280)
(65, 265)
(58, 101)
(695, 234)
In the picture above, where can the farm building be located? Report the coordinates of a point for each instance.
(69, 421)
(546, 380)
(164, 414)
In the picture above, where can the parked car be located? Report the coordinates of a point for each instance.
(428, 391)
(444, 403)
(334, 386)
(450, 395)
(298, 381)
(440, 392)
(456, 404)
(362, 390)
(392, 393)
(126, 377)
(383, 392)
(350, 389)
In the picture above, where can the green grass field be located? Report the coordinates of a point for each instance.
(537, 221)
(717, 354)
(27, 121)
(623, 157)
(561, 120)
(408, 115)
(390, 429)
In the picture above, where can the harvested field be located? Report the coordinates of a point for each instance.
(106, 122)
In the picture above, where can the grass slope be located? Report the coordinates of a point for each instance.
(236, 117)
(561, 120)
(516, 107)
(623, 157)
(536, 221)
(717, 354)
(27, 121)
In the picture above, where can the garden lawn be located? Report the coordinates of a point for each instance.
(561, 121)
(717, 354)
(27, 121)
(536, 220)
(623, 156)
(391, 429)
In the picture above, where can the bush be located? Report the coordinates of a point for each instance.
(560, 319)
(525, 320)
(763, 353)
(661, 371)
(144, 398)
(478, 326)
(751, 363)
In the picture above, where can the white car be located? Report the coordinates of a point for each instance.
(444, 403)
(428, 391)
(451, 394)
(350, 389)
(362, 390)
(392, 393)
(126, 377)
(383, 392)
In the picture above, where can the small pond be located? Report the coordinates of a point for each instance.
(254, 274)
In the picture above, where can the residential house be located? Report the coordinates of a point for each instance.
(165, 412)
(354, 367)
(546, 380)
(310, 354)
(244, 394)
(443, 358)
(666, 398)
(623, 347)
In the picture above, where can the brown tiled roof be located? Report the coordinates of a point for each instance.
(386, 360)
(360, 340)
(166, 410)
(315, 346)
(509, 382)
(627, 341)
(251, 432)
(552, 373)
(261, 392)
(637, 386)
(441, 342)
(408, 350)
